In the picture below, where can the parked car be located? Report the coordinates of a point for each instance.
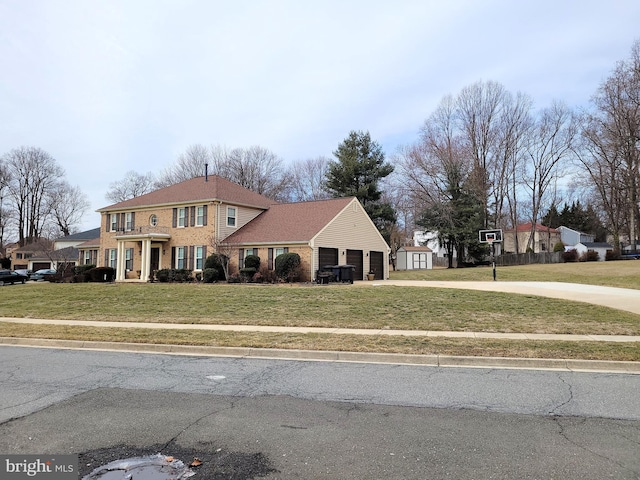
(43, 274)
(7, 276)
(24, 271)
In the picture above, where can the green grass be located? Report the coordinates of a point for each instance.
(357, 306)
(623, 273)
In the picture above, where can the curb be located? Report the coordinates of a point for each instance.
(330, 356)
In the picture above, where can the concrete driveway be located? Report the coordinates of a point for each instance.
(619, 298)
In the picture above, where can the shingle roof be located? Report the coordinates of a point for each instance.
(196, 190)
(526, 227)
(290, 222)
(86, 235)
(416, 249)
(597, 245)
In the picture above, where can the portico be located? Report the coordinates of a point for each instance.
(148, 242)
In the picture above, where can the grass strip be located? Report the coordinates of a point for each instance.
(353, 343)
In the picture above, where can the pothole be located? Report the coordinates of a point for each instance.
(150, 467)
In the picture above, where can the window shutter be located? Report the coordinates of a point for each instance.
(241, 258)
(106, 257)
(204, 254)
(120, 222)
(192, 254)
(204, 214)
(286, 249)
(107, 226)
(193, 216)
(270, 259)
(175, 218)
(133, 220)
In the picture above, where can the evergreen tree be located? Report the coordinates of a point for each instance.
(359, 167)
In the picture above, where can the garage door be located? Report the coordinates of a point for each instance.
(327, 256)
(376, 260)
(40, 266)
(354, 257)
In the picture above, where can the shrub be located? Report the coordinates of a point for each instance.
(589, 256)
(5, 262)
(570, 255)
(100, 274)
(210, 275)
(612, 255)
(247, 273)
(558, 247)
(174, 275)
(80, 269)
(252, 261)
(235, 278)
(288, 266)
(268, 276)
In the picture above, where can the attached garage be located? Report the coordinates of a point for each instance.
(376, 264)
(327, 256)
(354, 257)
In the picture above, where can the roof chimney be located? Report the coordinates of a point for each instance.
(206, 172)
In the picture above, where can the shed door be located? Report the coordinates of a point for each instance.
(419, 261)
(376, 264)
(354, 257)
(327, 256)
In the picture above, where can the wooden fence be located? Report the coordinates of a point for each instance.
(509, 259)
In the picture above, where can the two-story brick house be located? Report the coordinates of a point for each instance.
(178, 226)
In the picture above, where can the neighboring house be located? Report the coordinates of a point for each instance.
(600, 247)
(544, 238)
(89, 250)
(571, 237)
(180, 225)
(430, 239)
(76, 239)
(414, 258)
(41, 254)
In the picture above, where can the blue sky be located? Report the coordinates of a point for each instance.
(107, 86)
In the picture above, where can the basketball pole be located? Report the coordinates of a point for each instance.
(493, 259)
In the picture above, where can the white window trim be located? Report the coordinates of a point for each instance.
(182, 218)
(235, 217)
(128, 221)
(113, 222)
(180, 257)
(200, 218)
(199, 256)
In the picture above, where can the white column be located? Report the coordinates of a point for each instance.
(146, 260)
(120, 263)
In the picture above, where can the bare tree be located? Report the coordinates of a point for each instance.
(5, 177)
(132, 185)
(255, 168)
(480, 109)
(34, 177)
(610, 150)
(308, 178)
(68, 205)
(550, 144)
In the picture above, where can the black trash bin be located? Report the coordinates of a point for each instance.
(335, 269)
(346, 273)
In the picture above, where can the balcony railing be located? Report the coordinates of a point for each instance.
(144, 230)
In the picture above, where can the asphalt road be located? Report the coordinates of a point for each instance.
(297, 419)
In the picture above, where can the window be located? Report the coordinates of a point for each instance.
(200, 216)
(87, 257)
(128, 258)
(128, 222)
(231, 216)
(113, 258)
(114, 222)
(182, 217)
(280, 251)
(180, 260)
(19, 256)
(153, 220)
(199, 256)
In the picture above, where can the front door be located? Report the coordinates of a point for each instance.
(155, 259)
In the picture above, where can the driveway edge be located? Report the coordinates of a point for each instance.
(335, 356)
